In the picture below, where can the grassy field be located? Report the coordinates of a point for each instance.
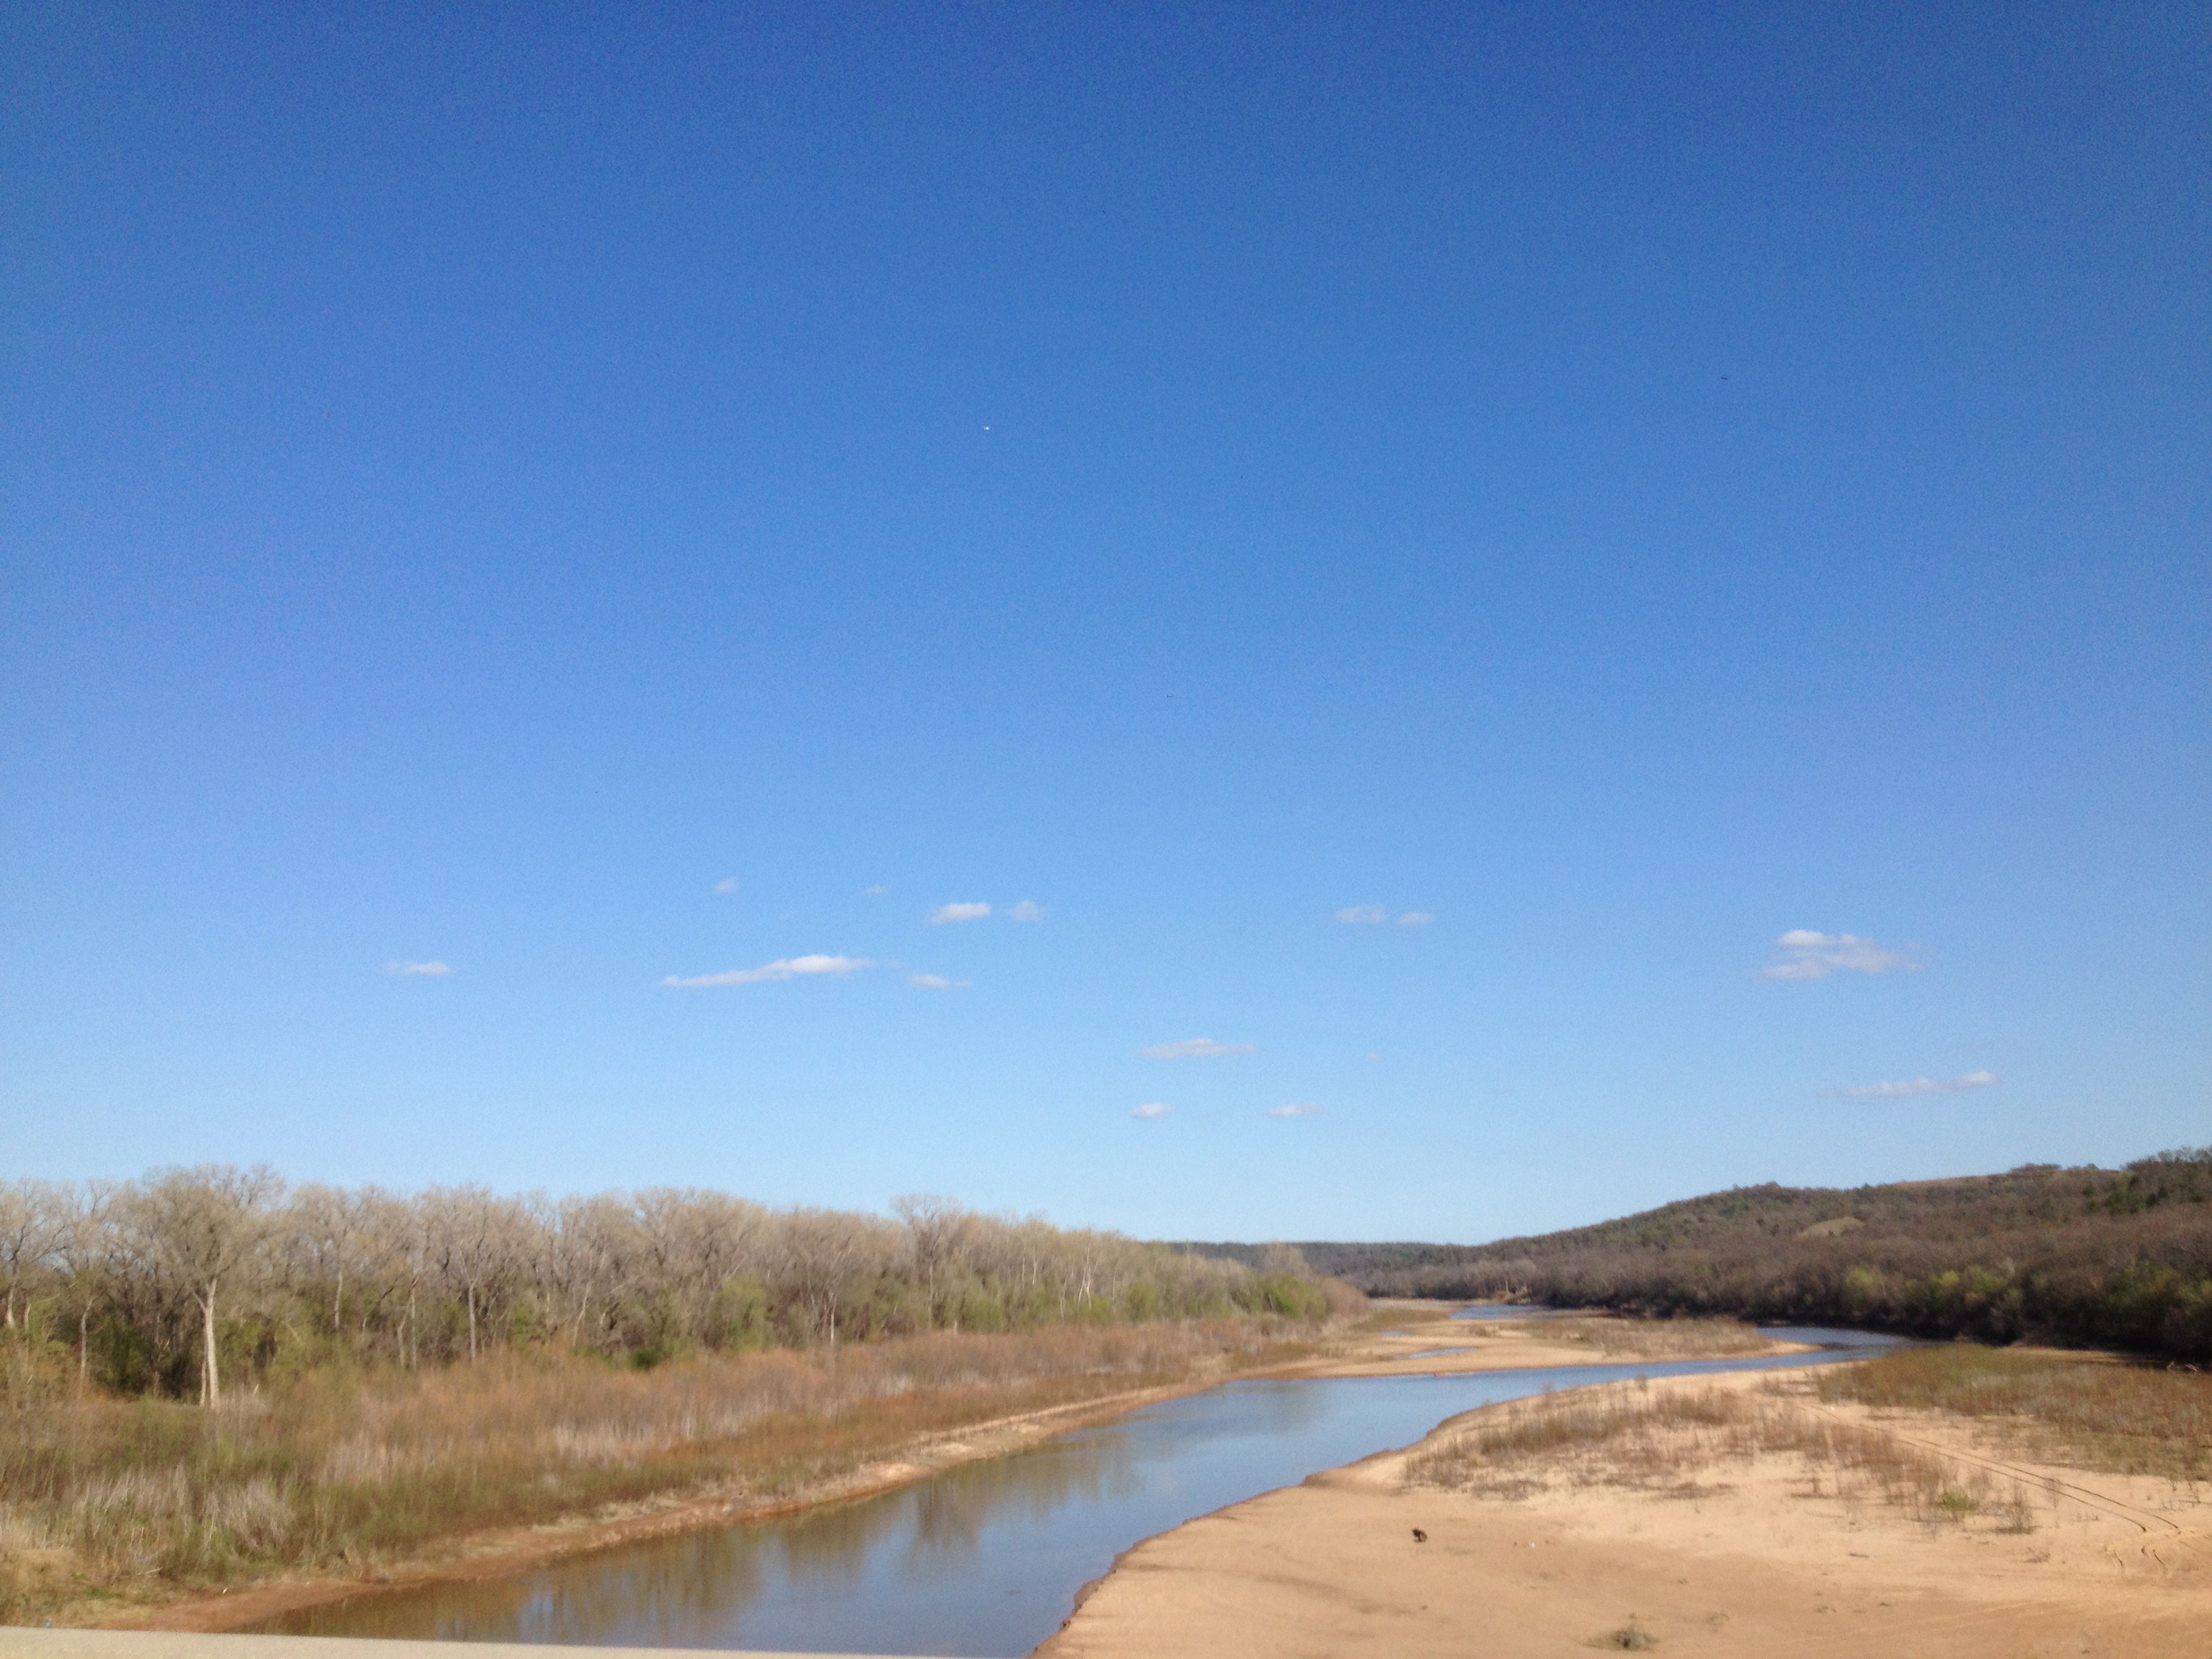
(103, 1499)
(2123, 1418)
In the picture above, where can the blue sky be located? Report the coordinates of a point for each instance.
(587, 499)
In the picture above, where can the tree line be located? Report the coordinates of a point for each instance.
(2082, 1257)
(189, 1280)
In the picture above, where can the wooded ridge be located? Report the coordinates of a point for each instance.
(2082, 1256)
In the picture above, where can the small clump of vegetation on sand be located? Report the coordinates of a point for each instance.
(2113, 1416)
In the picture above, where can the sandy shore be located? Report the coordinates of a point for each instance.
(1764, 1555)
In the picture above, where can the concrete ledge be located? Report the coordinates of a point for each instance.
(26, 1642)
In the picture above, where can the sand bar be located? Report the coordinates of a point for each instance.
(1762, 1556)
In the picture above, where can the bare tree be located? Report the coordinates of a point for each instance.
(823, 1253)
(595, 1252)
(82, 1258)
(35, 1220)
(938, 1231)
(693, 1243)
(206, 1224)
(474, 1240)
(322, 1225)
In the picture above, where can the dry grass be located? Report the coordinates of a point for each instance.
(348, 1469)
(1667, 1440)
(2118, 1416)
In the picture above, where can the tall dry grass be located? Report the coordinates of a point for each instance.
(348, 1469)
(2122, 1418)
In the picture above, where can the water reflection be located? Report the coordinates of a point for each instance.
(984, 1560)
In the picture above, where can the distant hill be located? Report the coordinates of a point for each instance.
(2078, 1256)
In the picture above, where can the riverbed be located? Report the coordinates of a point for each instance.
(986, 1559)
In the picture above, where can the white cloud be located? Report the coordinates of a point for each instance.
(1297, 1108)
(935, 982)
(417, 969)
(1197, 1048)
(782, 968)
(1924, 1086)
(1026, 911)
(1152, 1109)
(1800, 953)
(876, 892)
(1362, 913)
(1374, 1056)
(1415, 919)
(944, 912)
(727, 885)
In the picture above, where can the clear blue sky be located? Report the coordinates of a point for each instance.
(590, 498)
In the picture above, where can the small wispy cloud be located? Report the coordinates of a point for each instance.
(417, 969)
(1923, 1086)
(727, 885)
(1800, 953)
(781, 969)
(1415, 919)
(1373, 1057)
(1364, 913)
(935, 982)
(1152, 1109)
(944, 912)
(876, 892)
(1197, 1048)
(1297, 1108)
(1026, 911)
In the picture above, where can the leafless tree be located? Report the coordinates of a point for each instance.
(824, 1255)
(204, 1225)
(595, 1247)
(937, 1232)
(474, 1240)
(35, 1220)
(81, 1259)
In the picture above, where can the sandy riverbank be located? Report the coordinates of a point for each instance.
(1771, 1554)
(1421, 1339)
(1413, 1338)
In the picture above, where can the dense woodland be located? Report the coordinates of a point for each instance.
(2082, 1256)
(192, 1281)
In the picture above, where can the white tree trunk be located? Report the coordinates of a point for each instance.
(214, 1396)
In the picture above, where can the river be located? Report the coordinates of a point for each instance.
(983, 1559)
